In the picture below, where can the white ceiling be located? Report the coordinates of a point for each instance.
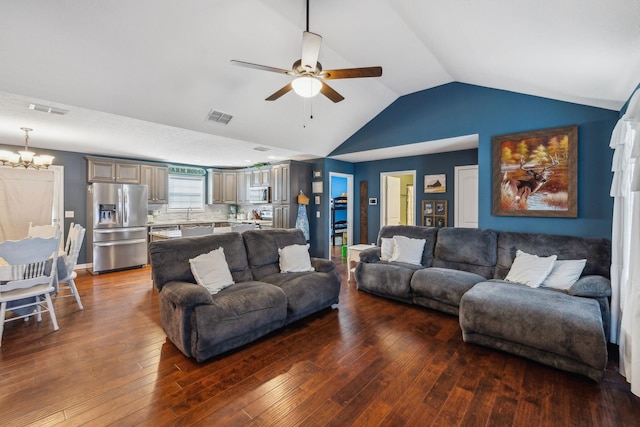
(139, 77)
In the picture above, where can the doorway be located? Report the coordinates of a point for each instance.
(340, 212)
(397, 198)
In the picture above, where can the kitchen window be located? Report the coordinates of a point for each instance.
(186, 191)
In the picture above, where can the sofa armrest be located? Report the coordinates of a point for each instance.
(591, 286)
(371, 255)
(186, 294)
(323, 265)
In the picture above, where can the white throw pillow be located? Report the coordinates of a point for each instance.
(407, 250)
(295, 258)
(212, 271)
(564, 274)
(386, 248)
(530, 270)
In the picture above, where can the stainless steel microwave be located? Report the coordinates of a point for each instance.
(260, 194)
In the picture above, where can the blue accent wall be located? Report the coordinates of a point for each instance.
(457, 109)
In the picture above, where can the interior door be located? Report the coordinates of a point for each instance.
(392, 201)
(466, 196)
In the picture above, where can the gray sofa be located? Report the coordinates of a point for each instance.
(262, 299)
(462, 273)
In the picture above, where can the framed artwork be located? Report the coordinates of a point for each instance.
(435, 183)
(317, 174)
(316, 199)
(316, 187)
(434, 213)
(535, 173)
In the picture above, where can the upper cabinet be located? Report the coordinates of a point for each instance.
(222, 187)
(287, 180)
(111, 170)
(261, 177)
(229, 190)
(157, 179)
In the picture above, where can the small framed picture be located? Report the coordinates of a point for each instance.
(317, 174)
(373, 201)
(316, 187)
(441, 221)
(435, 183)
(316, 199)
(427, 207)
(428, 221)
(441, 207)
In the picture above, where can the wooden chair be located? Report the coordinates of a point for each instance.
(32, 262)
(66, 283)
(198, 230)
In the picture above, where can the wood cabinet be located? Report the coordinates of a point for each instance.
(112, 170)
(221, 187)
(156, 178)
(261, 177)
(287, 180)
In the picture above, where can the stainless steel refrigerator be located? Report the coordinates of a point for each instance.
(117, 215)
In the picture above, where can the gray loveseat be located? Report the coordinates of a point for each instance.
(203, 325)
(462, 272)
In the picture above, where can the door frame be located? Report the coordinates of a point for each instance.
(383, 200)
(350, 204)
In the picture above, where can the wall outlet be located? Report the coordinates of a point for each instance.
(317, 214)
(69, 214)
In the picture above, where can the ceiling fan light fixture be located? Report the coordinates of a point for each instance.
(306, 87)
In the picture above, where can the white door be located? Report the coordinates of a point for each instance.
(466, 196)
(392, 201)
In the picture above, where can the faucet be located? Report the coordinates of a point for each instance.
(189, 209)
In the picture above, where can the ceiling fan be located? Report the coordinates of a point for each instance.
(309, 75)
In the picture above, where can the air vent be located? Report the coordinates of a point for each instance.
(261, 148)
(48, 109)
(219, 117)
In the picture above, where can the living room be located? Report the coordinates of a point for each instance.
(456, 106)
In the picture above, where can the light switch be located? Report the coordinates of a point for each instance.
(317, 214)
(69, 214)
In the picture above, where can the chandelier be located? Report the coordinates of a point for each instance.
(25, 158)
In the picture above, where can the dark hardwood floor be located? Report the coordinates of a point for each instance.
(369, 362)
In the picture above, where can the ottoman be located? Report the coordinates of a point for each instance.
(541, 324)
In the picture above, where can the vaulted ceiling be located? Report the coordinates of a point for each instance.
(139, 78)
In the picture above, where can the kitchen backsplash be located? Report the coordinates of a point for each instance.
(211, 212)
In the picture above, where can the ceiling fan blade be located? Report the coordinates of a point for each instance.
(260, 67)
(310, 50)
(327, 91)
(351, 73)
(280, 92)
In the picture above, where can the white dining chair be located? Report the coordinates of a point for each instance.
(241, 228)
(33, 269)
(66, 285)
(197, 230)
(44, 231)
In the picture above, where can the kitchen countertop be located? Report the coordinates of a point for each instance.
(209, 221)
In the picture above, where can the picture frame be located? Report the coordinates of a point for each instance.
(434, 213)
(535, 173)
(316, 200)
(435, 183)
(317, 174)
(316, 187)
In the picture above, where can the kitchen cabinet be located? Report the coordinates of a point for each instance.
(111, 170)
(261, 177)
(287, 180)
(157, 180)
(243, 184)
(221, 187)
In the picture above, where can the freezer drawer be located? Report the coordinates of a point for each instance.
(115, 234)
(114, 255)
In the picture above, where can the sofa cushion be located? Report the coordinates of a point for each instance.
(466, 249)
(530, 270)
(386, 279)
(427, 233)
(407, 250)
(262, 249)
(294, 258)
(545, 325)
(596, 251)
(306, 292)
(564, 274)
(212, 271)
(170, 258)
(443, 285)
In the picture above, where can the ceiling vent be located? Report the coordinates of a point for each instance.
(261, 148)
(48, 109)
(219, 117)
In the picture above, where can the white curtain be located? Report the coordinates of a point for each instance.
(625, 256)
(26, 195)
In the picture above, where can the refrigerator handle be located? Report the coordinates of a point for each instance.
(119, 211)
(125, 209)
